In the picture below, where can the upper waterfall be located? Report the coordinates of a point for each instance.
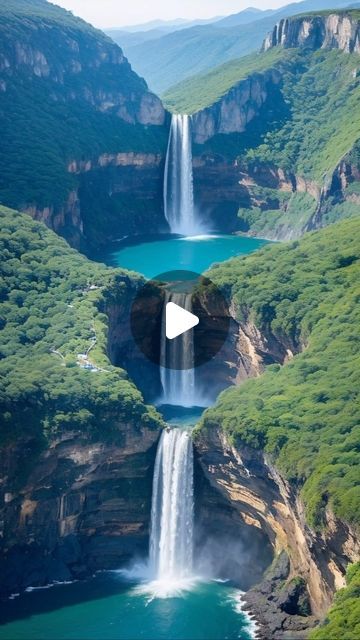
(178, 179)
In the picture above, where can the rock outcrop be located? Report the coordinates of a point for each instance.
(90, 143)
(332, 31)
(236, 109)
(84, 506)
(263, 499)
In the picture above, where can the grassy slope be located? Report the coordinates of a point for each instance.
(45, 305)
(305, 415)
(200, 91)
(321, 92)
(42, 127)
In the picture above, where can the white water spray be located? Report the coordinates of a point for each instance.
(178, 179)
(172, 511)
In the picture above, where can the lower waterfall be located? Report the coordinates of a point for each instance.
(172, 511)
(178, 384)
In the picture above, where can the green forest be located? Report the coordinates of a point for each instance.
(343, 619)
(47, 122)
(51, 310)
(303, 415)
(318, 107)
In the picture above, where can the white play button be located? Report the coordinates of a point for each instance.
(178, 320)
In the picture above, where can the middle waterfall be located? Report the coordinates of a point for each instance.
(177, 372)
(178, 179)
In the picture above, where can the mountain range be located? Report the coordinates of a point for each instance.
(184, 52)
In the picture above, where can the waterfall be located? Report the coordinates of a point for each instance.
(178, 383)
(172, 511)
(178, 179)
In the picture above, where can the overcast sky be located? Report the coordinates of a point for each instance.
(116, 13)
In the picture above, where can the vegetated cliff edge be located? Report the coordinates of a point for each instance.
(277, 133)
(282, 446)
(77, 440)
(83, 138)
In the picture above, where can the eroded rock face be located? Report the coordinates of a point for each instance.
(245, 354)
(117, 195)
(263, 499)
(84, 506)
(236, 109)
(335, 31)
(90, 53)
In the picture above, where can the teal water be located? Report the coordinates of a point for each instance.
(153, 256)
(108, 608)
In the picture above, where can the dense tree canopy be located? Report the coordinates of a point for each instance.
(51, 303)
(305, 414)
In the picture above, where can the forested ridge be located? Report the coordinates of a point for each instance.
(67, 93)
(303, 415)
(51, 311)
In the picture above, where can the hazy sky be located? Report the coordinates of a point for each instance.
(115, 13)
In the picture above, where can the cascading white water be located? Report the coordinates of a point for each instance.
(178, 383)
(178, 179)
(172, 511)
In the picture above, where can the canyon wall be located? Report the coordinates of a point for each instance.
(84, 506)
(85, 155)
(250, 484)
(333, 31)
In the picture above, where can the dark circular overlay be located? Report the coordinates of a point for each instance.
(196, 294)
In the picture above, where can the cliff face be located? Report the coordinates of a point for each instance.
(85, 506)
(90, 142)
(78, 63)
(263, 500)
(334, 31)
(256, 169)
(236, 109)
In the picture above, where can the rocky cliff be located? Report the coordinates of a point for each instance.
(265, 161)
(264, 500)
(84, 506)
(327, 31)
(237, 108)
(82, 134)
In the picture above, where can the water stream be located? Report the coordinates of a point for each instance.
(178, 384)
(178, 179)
(172, 512)
(111, 605)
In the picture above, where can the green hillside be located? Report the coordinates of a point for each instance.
(343, 619)
(308, 124)
(49, 315)
(319, 100)
(58, 76)
(201, 91)
(305, 414)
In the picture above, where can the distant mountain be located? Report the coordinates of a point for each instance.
(186, 52)
(166, 25)
(134, 35)
(244, 17)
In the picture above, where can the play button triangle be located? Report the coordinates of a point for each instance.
(178, 320)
